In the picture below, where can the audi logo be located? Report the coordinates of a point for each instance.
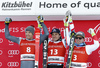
(89, 64)
(13, 52)
(1, 52)
(0, 64)
(98, 64)
(1, 40)
(13, 64)
(88, 39)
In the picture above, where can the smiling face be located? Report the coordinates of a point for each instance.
(79, 39)
(29, 35)
(55, 36)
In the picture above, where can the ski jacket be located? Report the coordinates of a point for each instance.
(81, 54)
(56, 52)
(27, 49)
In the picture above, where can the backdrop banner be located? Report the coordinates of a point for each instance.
(49, 7)
(10, 53)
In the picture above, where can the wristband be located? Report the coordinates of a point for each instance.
(93, 34)
(65, 24)
(39, 25)
(70, 20)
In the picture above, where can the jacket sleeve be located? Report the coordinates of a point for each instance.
(45, 35)
(9, 37)
(93, 47)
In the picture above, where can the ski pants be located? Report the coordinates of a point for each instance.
(27, 64)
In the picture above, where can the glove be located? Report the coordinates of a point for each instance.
(40, 20)
(72, 33)
(91, 31)
(8, 20)
(68, 18)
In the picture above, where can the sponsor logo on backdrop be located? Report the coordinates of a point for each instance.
(71, 5)
(99, 64)
(1, 52)
(1, 40)
(0, 64)
(10, 42)
(45, 4)
(2, 30)
(97, 28)
(14, 29)
(89, 64)
(88, 39)
(17, 29)
(17, 5)
(61, 29)
(11, 53)
(99, 52)
(50, 29)
(13, 64)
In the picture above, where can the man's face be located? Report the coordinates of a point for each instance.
(55, 36)
(29, 35)
(79, 39)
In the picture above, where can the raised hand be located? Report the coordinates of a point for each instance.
(40, 20)
(8, 20)
(91, 31)
(68, 18)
